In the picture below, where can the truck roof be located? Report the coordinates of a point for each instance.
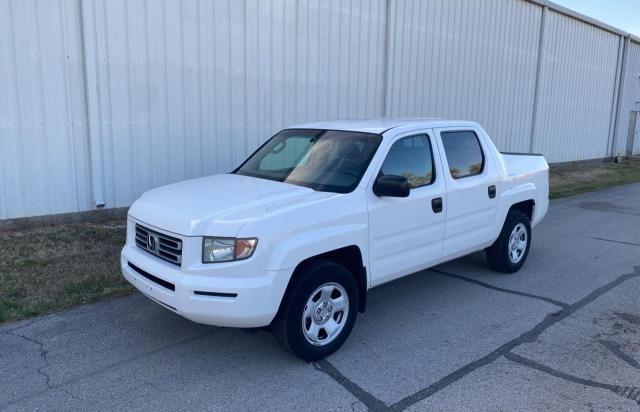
(381, 124)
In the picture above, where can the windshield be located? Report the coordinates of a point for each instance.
(324, 160)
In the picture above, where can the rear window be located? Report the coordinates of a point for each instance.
(463, 152)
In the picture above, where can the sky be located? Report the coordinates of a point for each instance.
(623, 14)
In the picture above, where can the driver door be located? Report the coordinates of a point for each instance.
(407, 234)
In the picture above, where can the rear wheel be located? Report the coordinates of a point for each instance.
(510, 250)
(318, 311)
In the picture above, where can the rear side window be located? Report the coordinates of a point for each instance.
(411, 158)
(464, 153)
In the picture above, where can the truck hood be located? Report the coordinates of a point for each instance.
(217, 205)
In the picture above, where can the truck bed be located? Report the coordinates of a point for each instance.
(518, 164)
(525, 169)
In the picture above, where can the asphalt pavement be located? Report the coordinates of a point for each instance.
(561, 334)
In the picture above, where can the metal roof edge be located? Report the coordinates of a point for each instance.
(584, 18)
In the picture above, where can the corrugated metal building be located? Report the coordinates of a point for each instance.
(102, 100)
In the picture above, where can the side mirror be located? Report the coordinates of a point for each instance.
(392, 186)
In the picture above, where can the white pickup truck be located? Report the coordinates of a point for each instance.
(296, 235)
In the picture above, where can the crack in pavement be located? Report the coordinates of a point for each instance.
(371, 402)
(98, 371)
(499, 289)
(627, 392)
(527, 337)
(44, 355)
(619, 353)
(621, 242)
(513, 357)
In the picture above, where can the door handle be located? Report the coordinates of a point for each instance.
(436, 205)
(492, 191)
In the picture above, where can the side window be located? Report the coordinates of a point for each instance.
(464, 153)
(411, 157)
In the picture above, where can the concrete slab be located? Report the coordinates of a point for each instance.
(508, 386)
(439, 324)
(132, 354)
(600, 342)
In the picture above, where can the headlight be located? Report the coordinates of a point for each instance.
(219, 249)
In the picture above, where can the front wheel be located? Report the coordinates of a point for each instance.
(509, 252)
(318, 312)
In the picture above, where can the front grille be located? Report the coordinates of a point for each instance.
(165, 247)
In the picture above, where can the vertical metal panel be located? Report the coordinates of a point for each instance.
(577, 84)
(181, 89)
(469, 60)
(88, 17)
(635, 135)
(43, 146)
(615, 103)
(189, 88)
(630, 99)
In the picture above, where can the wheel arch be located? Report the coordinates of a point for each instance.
(526, 206)
(522, 200)
(350, 257)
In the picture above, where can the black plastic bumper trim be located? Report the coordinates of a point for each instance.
(149, 276)
(215, 294)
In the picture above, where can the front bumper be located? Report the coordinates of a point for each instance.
(235, 294)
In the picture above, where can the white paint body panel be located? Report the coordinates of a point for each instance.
(470, 211)
(404, 234)
(396, 236)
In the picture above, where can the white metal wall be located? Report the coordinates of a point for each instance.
(189, 88)
(43, 139)
(472, 60)
(101, 100)
(576, 91)
(630, 99)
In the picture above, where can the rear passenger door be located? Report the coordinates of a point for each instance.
(406, 234)
(471, 179)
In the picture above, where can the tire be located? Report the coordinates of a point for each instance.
(309, 309)
(506, 254)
